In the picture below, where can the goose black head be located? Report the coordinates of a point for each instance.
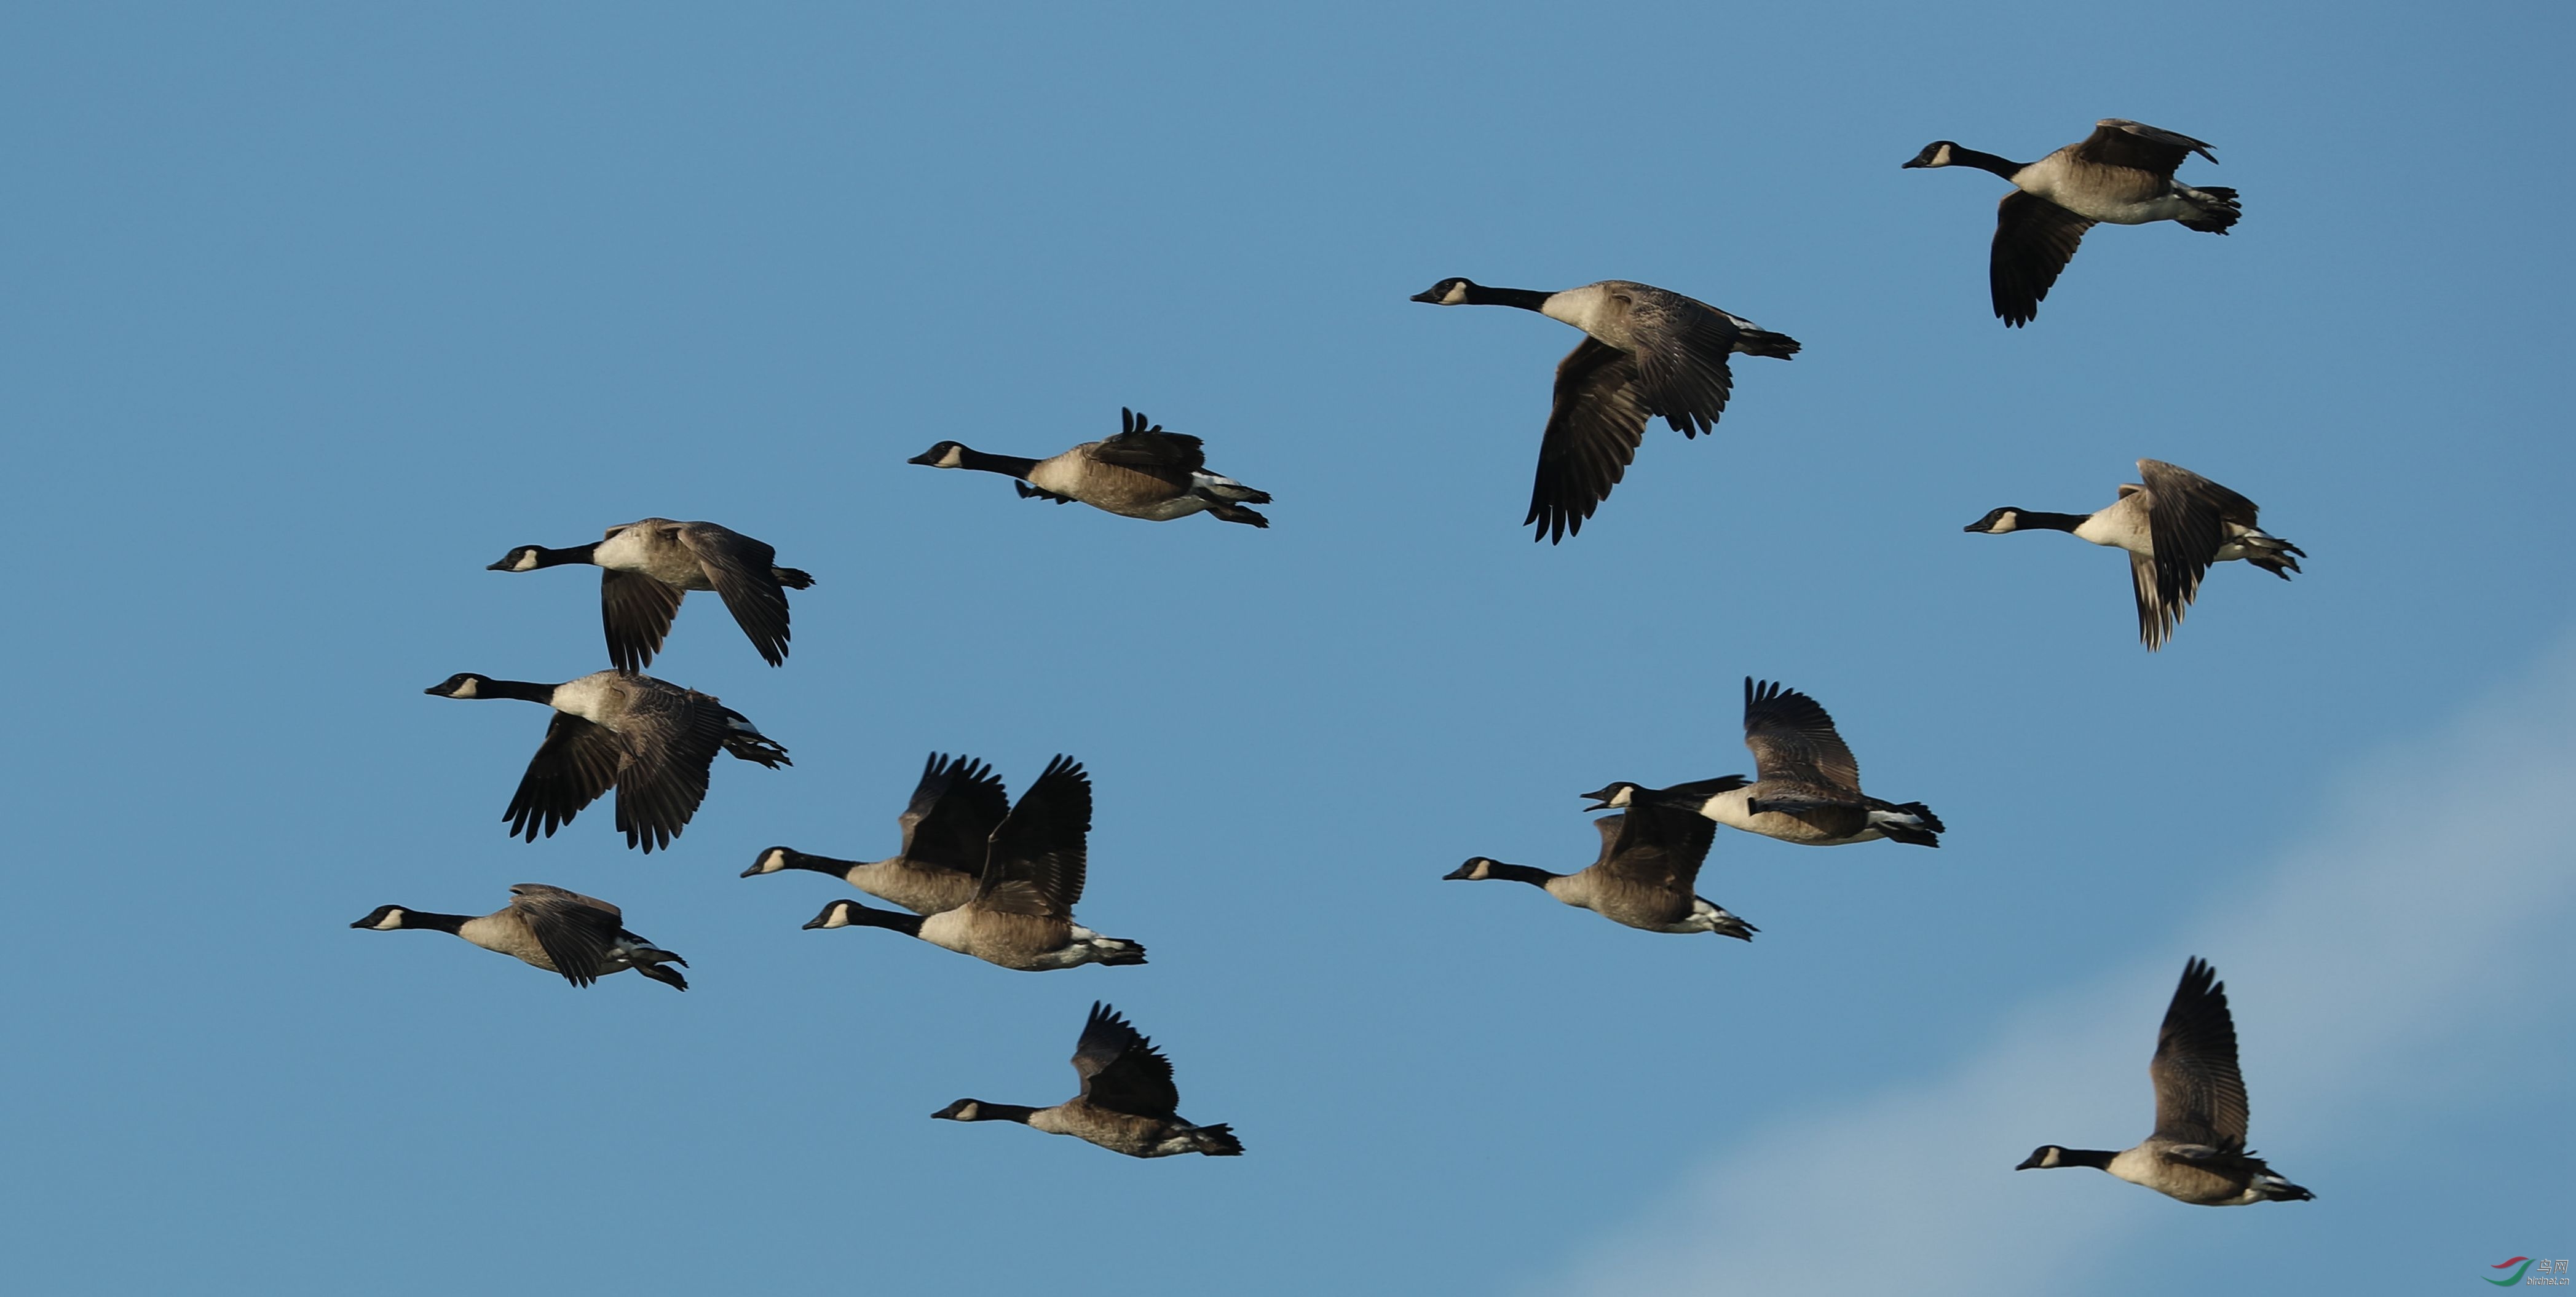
(1934, 154)
(1997, 521)
(463, 684)
(1448, 292)
(947, 454)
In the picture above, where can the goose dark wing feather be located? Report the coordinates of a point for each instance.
(1682, 361)
(574, 930)
(954, 810)
(2200, 1096)
(1593, 429)
(2187, 517)
(665, 775)
(636, 612)
(1660, 846)
(1793, 740)
(1036, 861)
(740, 569)
(1143, 444)
(2117, 142)
(1120, 1068)
(2034, 239)
(576, 763)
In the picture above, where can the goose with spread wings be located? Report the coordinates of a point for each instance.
(2122, 174)
(649, 739)
(2174, 525)
(946, 830)
(1646, 352)
(2196, 1154)
(581, 937)
(1807, 784)
(1143, 472)
(1644, 878)
(1021, 915)
(1127, 1101)
(650, 564)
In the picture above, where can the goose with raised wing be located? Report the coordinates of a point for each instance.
(2122, 174)
(1143, 472)
(1646, 352)
(649, 739)
(946, 831)
(2196, 1154)
(580, 937)
(1649, 863)
(2174, 525)
(652, 562)
(1127, 1101)
(1021, 915)
(1806, 788)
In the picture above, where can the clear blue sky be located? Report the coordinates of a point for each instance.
(315, 311)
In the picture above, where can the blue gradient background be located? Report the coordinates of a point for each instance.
(316, 310)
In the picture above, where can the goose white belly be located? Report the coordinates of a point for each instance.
(2122, 526)
(1733, 808)
(2112, 195)
(507, 937)
(590, 698)
(1586, 308)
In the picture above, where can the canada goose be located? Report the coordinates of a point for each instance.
(2121, 173)
(581, 937)
(2174, 527)
(954, 810)
(1650, 859)
(1126, 1101)
(1143, 472)
(651, 740)
(653, 562)
(1647, 351)
(1021, 915)
(1809, 783)
(2197, 1151)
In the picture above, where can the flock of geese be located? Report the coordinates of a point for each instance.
(979, 874)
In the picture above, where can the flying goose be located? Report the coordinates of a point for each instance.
(581, 937)
(1143, 472)
(954, 810)
(2197, 1152)
(1808, 786)
(650, 740)
(650, 564)
(2174, 527)
(1126, 1101)
(1650, 860)
(1021, 915)
(2122, 173)
(1646, 351)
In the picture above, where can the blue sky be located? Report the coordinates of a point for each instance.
(315, 312)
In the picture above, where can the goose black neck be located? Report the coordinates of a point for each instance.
(1003, 1112)
(1528, 299)
(435, 922)
(907, 924)
(819, 864)
(1007, 465)
(2050, 521)
(523, 690)
(560, 557)
(2098, 1159)
(1518, 874)
(2004, 167)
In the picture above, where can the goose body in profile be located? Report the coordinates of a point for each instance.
(1646, 352)
(651, 740)
(946, 830)
(1021, 915)
(1127, 1099)
(2174, 525)
(581, 937)
(2196, 1154)
(649, 564)
(1649, 863)
(1807, 785)
(1143, 472)
(2122, 174)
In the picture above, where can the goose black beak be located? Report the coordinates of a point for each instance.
(1426, 296)
(924, 457)
(2028, 1162)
